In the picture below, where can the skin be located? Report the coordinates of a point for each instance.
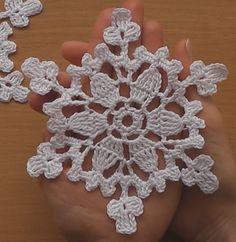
(190, 214)
(201, 217)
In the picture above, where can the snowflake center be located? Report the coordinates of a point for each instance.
(127, 121)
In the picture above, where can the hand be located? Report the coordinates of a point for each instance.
(81, 214)
(203, 217)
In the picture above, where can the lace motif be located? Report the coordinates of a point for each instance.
(120, 151)
(10, 88)
(19, 10)
(6, 47)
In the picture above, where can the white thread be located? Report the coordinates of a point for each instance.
(18, 11)
(10, 88)
(6, 48)
(105, 134)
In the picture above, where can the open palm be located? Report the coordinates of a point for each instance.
(202, 217)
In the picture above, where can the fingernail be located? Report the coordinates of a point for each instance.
(188, 46)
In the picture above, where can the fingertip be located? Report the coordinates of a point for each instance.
(153, 26)
(103, 21)
(180, 49)
(152, 35)
(134, 5)
(64, 79)
(137, 9)
(73, 51)
(46, 135)
(182, 52)
(106, 14)
(36, 101)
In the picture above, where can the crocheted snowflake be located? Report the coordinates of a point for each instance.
(19, 10)
(6, 47)
(10, 88)
(124, 125)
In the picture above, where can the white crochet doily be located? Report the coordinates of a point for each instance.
(122, 136)
(11, 88)
(6, 47)
(18, 12)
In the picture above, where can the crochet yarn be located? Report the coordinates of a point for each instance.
(6, 48)
(11, 88)
(18, 11)
(125, 134)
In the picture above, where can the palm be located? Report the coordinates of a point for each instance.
(218, 208)
(199, 216)
(83, 215)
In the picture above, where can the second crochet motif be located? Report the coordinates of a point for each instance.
(125, 133)
(18, 12)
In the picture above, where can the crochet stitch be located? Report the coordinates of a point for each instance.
(18, 11)
(10, 88)
(6, 47)
(121, 149)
